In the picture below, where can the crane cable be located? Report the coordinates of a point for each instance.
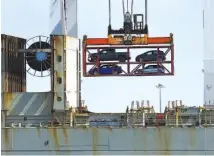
(123, 8)
(146, 11)
(132, 4)
(109, 9)
(127, 7)
(64, 16)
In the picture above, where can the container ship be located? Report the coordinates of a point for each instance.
(59, 122)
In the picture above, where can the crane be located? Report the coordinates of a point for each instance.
(133, 34)
(131, 24)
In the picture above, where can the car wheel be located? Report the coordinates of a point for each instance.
(115, 73)
(141, 60)
(122, 59)
(96, 73)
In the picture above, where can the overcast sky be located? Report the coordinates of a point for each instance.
(28, 18)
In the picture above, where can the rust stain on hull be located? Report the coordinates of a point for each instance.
(58, 42)
(8, 98)
(55, 137)
(167, 139)
(39, 132)
(6, 138)
(110, 129)
(85, 129)
(144, 130)
(163, 138)
(95, 141)
(192, 137)
(65, 133)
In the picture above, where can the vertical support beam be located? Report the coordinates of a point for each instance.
(143, 119)
(58, 77)
(52, 70)
(66, 72)
(98, 61)
(80, 76)
(128, 61)
(160, 98)
(3, 118)
(199, 116)
(166, 119)
(84, 55)
(158, 60)
(72, 118)
(172, 60)
(205, 114)
(176, 116)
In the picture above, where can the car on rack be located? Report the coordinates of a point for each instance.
(152, 55)
(109, 54)
(106, 69)
(150, 69)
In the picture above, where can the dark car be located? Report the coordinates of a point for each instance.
(152, 55)
(150, 69)
(106, 69)
(109, 54)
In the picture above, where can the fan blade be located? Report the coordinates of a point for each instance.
(40, 43)
(39, 61)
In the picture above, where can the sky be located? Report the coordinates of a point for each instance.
(25, 18)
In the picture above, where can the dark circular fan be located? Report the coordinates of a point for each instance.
(39, 61)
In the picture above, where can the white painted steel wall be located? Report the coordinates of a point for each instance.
(208, 26)
(71, 14)
(63, 21)
(57, 17)
(72, 71)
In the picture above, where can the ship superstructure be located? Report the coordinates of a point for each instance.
(208, 71)
(59, 122)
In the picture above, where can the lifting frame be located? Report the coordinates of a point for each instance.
(145, 42)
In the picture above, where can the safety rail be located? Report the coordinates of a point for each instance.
(202, 119)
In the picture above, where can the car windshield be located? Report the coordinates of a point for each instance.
(153, 52)
(151, 67)
(104, 66)
(159, 52)
(106, 50)
(148, 53)
(108, 66)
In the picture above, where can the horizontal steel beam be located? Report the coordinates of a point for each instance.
(129, 46)
(34, 50)
(110, 75)
(126, 63)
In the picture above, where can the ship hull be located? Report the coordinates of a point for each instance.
(105, 141)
